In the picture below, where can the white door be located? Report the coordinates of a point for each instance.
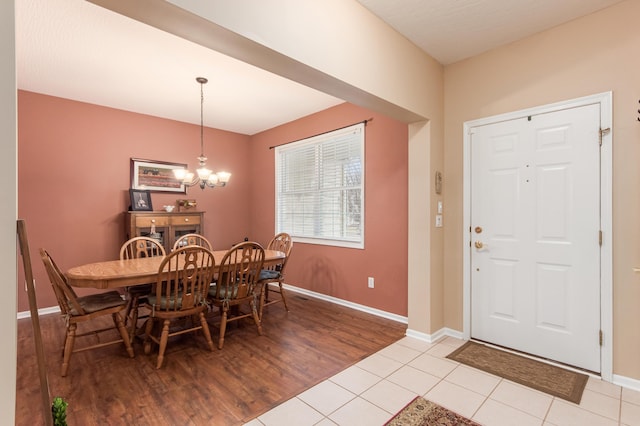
(535, 222)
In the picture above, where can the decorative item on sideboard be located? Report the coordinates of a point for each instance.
(186, 204)
(140, 200)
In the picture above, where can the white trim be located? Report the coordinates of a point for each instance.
(453, 333)
(342, 302)
(626, 382)
(606, 215)
(356, 135)
(41, 312)
(420, 336)
(329, 242)
(606, 224)
(433, 338)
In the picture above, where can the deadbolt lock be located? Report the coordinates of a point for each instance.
(478, 229)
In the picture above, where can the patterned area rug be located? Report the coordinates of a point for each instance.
(538, 375)
(421, 412)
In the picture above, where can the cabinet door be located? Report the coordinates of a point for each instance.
(161, 234)
(156, 227)
(184, 224)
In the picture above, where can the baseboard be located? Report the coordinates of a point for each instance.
(367, 309)
(41, 311)
(453, 333)
(432, 338)
(419, 335)
(626, 382)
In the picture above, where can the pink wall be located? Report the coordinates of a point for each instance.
(343, 272)
(73, 180)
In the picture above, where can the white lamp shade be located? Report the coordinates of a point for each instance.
(223, 177)
(203, 173)
(180, 173)
(188, 178)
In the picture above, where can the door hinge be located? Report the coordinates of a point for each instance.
(600, 238)
(601, 338)
(604, 132)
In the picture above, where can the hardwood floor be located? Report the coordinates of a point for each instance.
(248, 377)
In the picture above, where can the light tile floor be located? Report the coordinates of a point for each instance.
(373, 390)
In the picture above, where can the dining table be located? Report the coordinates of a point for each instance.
(130, 272)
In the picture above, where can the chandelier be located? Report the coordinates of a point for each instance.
(203, 176)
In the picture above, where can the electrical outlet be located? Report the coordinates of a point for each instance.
(370, 282)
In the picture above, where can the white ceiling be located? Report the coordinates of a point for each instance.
(77, 50)
(452, 30)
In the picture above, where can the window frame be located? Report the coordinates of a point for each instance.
(317, 143)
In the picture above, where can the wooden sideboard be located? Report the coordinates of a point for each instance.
(162, 226)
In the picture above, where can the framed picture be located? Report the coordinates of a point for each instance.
(140, 200)
(154, 175)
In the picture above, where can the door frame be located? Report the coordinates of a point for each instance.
(606, 214)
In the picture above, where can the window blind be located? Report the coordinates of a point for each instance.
(319, 188)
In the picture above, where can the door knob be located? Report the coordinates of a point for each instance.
(478, 244)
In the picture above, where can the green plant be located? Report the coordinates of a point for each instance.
(59, 411)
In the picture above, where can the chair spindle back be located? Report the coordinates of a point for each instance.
(141, 247)
(239, 271)
(184, 278)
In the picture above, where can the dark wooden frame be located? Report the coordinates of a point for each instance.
(140, 200)
(156, 175)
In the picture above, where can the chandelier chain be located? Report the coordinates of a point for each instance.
(202, 81)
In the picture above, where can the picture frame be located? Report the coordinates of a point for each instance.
(140, 200)
(157, 176)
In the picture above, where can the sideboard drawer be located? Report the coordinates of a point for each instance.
(146, 222)
(185, 220)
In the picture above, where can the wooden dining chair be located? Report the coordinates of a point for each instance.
(274, 273)
(184, 277)
(192, 240)
(83, 309)
(237, 285)
(135, 248)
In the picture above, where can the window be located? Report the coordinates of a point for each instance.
(320, 188)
